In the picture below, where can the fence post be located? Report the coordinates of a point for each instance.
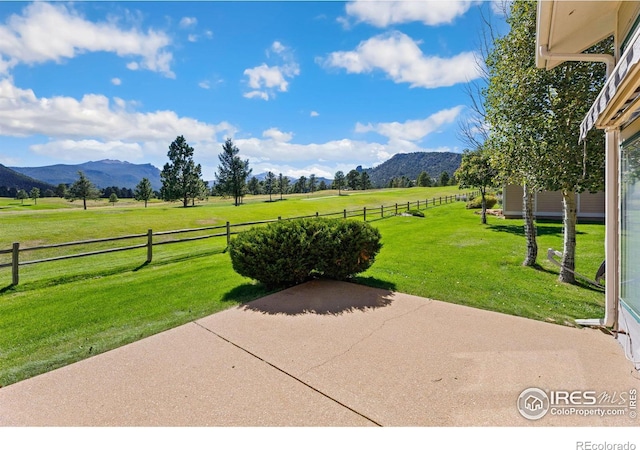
(228, 233)
(344, 212)
(418, 204)
(279, 218)
(149, 245)
(316, 214)
(408, 206)
(381, 211)
(15, 263)
(440, 201)
(396, 209)
(364, 213)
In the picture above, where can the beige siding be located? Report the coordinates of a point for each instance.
(512, 201)
(592, 203)
(549, 204)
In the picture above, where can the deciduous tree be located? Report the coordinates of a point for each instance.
(534, 120)
(476, 171)
(34, 194)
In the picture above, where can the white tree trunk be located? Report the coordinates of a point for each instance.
(529, 226)
(569, 245)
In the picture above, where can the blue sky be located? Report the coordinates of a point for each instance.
(301, 87)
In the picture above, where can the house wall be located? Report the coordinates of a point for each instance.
(548, 204)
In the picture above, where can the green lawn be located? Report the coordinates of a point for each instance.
(66, 311)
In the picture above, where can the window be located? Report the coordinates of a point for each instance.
(630, 226)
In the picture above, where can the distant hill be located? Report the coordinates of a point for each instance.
(103, 173)
(11, 179)
(411, 164)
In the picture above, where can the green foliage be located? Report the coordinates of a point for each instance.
(143, 191)
(338, 181)
(283, 184)
(181, 177)
(534, 116)
(113, 199)
(424, 180)
(444, 178)
(353, 179)
(22, 195)
(270, 184)
(232, 173)
(287, 253)
(83, 189)
(476, 202)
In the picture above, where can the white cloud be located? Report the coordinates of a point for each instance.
(277, 135)
(187, 22)
(192, 38)
(401, 59)
(204, 85)
(70, 150)
(55, 32)
(384, 13)
(254, 94)
(97, 124)
(314, 114)
(208, 34)
(266, 80)
(116, 81)
(412, 130)
(278, 47)
(133, 65)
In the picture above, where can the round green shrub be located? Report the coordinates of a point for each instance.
(476, 202)
(287, 253)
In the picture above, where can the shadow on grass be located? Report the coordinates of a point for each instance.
(245, 293)
(321, 297)
(542, 229)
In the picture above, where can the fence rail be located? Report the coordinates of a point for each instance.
(366, 212)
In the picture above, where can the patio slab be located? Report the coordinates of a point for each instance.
(330, 353)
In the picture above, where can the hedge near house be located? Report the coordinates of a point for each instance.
(287, 253)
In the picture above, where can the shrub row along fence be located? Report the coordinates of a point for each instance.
(157, 238)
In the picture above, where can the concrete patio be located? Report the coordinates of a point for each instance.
(330, 354)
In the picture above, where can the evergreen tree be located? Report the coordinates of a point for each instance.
(283, 184)
(143, 191)
(338, 180)
(84, 189)
(181, 177)
(270, 184)
(232, 173)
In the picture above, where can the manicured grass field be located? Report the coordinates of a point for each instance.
(66, 311)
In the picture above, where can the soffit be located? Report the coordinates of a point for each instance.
(573, 26)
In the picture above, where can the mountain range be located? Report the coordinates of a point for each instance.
(12, 179)
(107, 173)
(103, 173)
(411, 164)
